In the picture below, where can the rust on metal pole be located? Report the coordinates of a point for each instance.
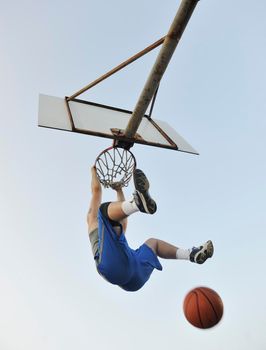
(118, 68)
(177, 28)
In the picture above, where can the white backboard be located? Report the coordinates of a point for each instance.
(99, 120)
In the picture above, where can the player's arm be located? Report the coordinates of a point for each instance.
(96, 199)
(120, 195)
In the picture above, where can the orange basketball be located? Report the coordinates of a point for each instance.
(203, 307)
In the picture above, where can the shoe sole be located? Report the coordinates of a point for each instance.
(206, 254)
(142, 186)
(141, 182)
(148, 203)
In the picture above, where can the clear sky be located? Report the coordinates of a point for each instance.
(213, 94)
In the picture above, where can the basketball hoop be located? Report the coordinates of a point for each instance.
(115, 166)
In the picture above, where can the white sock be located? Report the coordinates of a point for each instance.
(129, 207)
(183, 253)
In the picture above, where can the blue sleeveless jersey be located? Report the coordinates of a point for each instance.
(118, 263)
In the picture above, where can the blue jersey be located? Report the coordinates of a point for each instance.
(118, 263)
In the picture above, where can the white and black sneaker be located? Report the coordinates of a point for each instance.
(142, 197)
(200, 254)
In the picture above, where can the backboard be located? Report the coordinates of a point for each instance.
(90, 118)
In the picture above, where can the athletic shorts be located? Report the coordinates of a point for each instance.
(115, 260)
(94, 236)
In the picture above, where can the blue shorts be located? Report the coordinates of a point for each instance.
(117, 262)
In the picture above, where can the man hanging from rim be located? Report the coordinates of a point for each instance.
(107, 222)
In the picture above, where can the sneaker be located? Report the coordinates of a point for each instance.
(200, 254)
(141, 196)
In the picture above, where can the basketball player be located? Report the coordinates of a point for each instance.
(115, 260)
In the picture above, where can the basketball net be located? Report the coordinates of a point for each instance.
(114, 167)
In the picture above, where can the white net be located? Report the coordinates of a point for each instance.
(115, 167)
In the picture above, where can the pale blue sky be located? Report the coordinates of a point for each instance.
(213, 94)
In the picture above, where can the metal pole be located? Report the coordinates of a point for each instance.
(118, 68)
(177, 28)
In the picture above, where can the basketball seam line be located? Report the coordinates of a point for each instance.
(210, 303)
(200, 319)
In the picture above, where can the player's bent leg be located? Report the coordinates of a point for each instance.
(115, 221)
(166, 250)
(161, 248)
(115, 211)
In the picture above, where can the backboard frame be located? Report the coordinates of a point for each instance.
(130, 140)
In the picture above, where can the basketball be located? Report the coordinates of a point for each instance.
(203, 307)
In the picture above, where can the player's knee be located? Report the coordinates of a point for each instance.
(152, 243)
